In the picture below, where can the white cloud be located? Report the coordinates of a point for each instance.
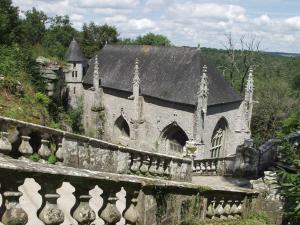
(183, 22)
(210, 11)
(141, 24)
(124, 4)
(155, 4)
(294, 22)
(263, 19)
(116, 19)
(76, 17)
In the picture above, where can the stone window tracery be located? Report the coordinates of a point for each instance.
(218, 139)
(216, 143)
(122, 127)
(175, 138)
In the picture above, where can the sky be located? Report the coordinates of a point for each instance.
(273, 23)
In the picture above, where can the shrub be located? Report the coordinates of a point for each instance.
(42, 99)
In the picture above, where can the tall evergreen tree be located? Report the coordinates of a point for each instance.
(34, 26)
(9, 22)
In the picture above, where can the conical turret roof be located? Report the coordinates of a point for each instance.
(74, 53)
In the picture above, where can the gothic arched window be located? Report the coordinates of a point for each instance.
(218, 138)
(122, 127)
(174, 137)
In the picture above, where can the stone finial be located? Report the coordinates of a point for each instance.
(96, 76)
(249, 86)
(248, 102)
(136, 78)
(201, 106)
(203, 87)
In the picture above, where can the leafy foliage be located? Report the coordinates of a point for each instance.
(276, 97)
(33, 27)
(59, 35)
(148, 39)
(9, 22)
(290, 190)
(94, 37)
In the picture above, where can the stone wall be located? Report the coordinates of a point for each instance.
(156, 115)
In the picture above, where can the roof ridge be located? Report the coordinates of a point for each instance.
(151, 46)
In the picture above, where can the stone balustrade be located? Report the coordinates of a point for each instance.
(213, 166)
(27, 141)
(225, 209)
(148, 201)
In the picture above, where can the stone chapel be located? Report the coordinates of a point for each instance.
(157, 98)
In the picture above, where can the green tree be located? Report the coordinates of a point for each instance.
(276, 101)
(153, 39)
(59, 35)
(94, 37)
(147, 39)
(34, 26)
(9, 22)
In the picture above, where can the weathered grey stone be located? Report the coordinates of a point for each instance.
(70, 148)
(13, 213)
(60, 154)
(5, 145)
(25, 148)
(122, 162)
(83, 155)
(50, 213)
(84, 214)
(109, 212)
(44, 150)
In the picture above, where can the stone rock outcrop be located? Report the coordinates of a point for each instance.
(269, 199)
(50, 71)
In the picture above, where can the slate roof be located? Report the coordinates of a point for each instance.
(74, 53)
(167, 73)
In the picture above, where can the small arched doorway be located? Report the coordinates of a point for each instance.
(218, 139)
(122, 128)
(174, 138)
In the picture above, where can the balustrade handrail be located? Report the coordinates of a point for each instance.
(33, 168)
(213, 159)
(13, 173)
(86, 139)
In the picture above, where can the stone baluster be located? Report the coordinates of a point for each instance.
(13, 213)
(145, 162)
(208, 166)
(219, 209)
(214, 166)
(109, 212)
(60, 151)
(153, 166)
(167, 167)
(81, 211)
(228, 209)
(25, 148)
(5, 145)
(234, 209)
(44, 150)
(203, 166)
(198, 166)
(240, 208)
(49, 213)
(135, 163)
(160, 167)
(194, 166)
(210, 213)
(131, 213)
